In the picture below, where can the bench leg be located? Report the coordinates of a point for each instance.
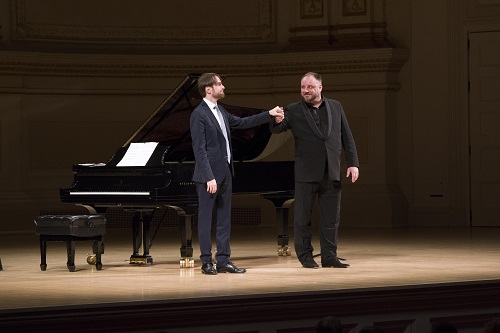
(43, 254)
(71, 255)
(98, 248)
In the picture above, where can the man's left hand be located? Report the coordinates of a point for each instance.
(354, 172)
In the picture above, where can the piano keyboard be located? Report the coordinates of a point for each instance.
(109, 193)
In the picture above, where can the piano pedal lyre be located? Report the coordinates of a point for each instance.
(186, 262)
(284, 251)
(140, 261)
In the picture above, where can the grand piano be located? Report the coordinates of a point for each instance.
(164, 180)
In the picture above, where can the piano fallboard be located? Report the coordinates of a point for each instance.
(100, 185)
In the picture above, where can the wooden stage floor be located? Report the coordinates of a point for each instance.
(379, 258)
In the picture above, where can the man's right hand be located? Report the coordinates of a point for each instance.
(212, 186)
(277, 111)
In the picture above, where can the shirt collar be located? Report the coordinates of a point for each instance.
(209, 103)
(310, 106)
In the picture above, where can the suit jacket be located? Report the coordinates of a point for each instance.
(209, 144)
(312, 150)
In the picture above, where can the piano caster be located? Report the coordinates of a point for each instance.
(186, 263)
(284, 251)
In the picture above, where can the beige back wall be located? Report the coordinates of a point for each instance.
(75, 83)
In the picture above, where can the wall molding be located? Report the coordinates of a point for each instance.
(250, 65)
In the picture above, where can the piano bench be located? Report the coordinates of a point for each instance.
(70, 229)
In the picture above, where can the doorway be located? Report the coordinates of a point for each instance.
(484, 127)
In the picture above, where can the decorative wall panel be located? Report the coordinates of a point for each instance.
(151, 22)
(480, 9)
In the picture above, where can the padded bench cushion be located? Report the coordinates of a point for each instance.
(71, 225)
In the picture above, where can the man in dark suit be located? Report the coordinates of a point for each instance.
(210, 132)
(321, 130)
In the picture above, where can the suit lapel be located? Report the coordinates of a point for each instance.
(329, 114)
(212, 117)
(216, 123)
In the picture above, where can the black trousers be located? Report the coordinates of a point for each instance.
(222, 202)
(328, 193)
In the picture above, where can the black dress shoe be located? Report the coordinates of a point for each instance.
(208, 269)
(230, 268)
(309, 263)
(334, 262)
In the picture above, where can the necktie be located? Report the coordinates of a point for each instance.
(224, 131)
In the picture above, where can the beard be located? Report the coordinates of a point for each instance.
(219, 95)
(310, 98)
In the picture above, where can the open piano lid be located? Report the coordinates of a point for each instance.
(169, 126)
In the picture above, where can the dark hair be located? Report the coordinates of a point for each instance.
(329, 325)
(315, 75)
(206, 80)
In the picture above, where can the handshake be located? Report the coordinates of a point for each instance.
(278, 114)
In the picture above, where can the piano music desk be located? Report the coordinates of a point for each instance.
(70, 229)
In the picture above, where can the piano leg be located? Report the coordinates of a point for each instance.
(186, 225)
(282, 220)
(282, 205)
(136, 236)
(140, 236)
(186, 228)
(146, 223)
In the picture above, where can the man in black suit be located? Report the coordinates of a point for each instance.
(321, 130)
(210, 133)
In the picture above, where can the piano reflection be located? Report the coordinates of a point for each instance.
(163, 177)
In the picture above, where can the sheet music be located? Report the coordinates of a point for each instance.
(138, 154)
